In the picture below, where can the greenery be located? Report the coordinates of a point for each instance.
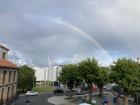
(89, 70)
(26, 78)
(69, 76)
(126, 74)
(102, 78)
(44, 89)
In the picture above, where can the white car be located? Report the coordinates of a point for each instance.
(31, 93)
(84, 104)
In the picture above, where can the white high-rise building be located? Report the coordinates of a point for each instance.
(53, 73)
(47, 74)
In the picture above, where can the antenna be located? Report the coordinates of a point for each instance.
(48, 61)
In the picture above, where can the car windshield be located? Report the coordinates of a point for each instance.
(30, 92)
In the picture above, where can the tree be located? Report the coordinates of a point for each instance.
(88, 70)
(69, 75)
(102, 78)
(126, 74)
(26, 78)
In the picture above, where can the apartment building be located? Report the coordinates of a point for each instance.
(8, 78)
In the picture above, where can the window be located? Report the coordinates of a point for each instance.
(14, 76)
(4, 74)
(8, 91)
(3, 55)
(12, 91)
(2, 92)
(10, 73)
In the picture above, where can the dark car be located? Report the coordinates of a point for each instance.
(58, 90)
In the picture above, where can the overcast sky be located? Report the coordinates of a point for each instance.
(36, 29)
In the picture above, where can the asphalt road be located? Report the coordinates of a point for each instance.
(40, 99)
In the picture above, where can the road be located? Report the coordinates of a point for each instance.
(40, 99)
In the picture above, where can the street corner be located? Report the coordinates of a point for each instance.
(62, 100)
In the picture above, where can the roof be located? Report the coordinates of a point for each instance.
(1, 46)
(7, 64)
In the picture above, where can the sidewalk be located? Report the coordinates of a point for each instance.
(61, 100)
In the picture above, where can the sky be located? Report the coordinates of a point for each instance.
(67, 30)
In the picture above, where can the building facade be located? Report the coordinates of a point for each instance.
(53, 72)
(8, 78)
(49, 74)
(41, 75)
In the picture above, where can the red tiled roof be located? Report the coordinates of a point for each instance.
(4, 47)
(7, 64)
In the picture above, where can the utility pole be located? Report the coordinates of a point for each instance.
(33, 80)
(45, 77)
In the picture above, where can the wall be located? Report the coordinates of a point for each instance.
(53, 73)
(48, 73)
(8, 87)
(1, 53)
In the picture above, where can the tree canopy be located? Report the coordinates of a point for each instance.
(102, 78)
(70, 75)
(126, 74)
(26, 78)
(89, 70)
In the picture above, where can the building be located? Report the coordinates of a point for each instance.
(8, 78)
(53, 72)
(50, 74)
(41, 75)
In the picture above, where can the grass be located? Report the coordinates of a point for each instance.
(43, 89)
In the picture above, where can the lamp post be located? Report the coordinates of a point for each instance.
(45, 77)
(33, 80)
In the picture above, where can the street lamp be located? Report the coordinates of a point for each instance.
(33, 80)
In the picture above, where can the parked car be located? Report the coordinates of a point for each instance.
(31, 93)
(76, 91)
(58, 90)
(67, 90)
(109, 88)
(84, 104)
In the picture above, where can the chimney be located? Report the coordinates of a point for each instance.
(3, 52)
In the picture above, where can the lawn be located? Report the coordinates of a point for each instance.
(43, 89)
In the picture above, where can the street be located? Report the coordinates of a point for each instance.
(40, 99)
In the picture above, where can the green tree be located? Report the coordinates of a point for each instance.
(26, 78)
(89, 70)
(126, 74)
(69, 75)
(102, 79)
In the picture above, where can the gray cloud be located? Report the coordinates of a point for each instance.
(27, 26)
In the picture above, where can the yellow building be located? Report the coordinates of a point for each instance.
(8, 78)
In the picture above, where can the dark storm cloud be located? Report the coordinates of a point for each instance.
(27, 26)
